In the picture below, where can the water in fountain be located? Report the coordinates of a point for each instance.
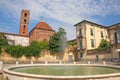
(63, 41)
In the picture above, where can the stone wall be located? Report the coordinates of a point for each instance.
(44, 56)
(101, 54)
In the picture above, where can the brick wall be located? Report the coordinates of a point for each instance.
(40, 35)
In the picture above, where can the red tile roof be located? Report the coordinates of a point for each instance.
(43, 25)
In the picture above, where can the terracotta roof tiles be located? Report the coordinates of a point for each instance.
(43, 25)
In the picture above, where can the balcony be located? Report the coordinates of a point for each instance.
(80, 36)
(81, 48)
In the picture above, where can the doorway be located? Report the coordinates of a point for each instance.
(70, 58)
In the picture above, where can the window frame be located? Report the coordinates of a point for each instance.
(102, 36)
(92, 43)
(91, 32)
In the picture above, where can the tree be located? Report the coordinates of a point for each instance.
(58, 41)
(103, 45)
(44, 45)
(54, 45)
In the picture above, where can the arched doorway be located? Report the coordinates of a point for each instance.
(97, 58)
(70, 58)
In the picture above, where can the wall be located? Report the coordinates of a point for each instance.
(81, 37)
(96, 35)
(103, 55)
(15, 39)
(114, 46)
(40, 35)
(45, 55)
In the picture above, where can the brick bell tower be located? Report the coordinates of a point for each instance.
(24, 22)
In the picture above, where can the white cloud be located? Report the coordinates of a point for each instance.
(68, 11)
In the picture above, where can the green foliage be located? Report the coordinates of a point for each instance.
(58, 41)
(71, 43)
(2, 36)
(36, 47)
(15, 51)
(0, 50)
(44, 45)
(3, 42)
(29, 51)
(54, 45)
(103, 45)
(41, 45)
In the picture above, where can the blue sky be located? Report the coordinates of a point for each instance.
(58, 13)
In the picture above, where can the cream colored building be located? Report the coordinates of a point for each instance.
(15, 39)
(114, 35)
(89, 36)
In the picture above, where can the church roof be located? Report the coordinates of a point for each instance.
(43, 25)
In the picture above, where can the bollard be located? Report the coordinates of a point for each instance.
(17, 62)
(1, 65)
(74, 62)
(88, 62)
(31, 62)
(104, 63)
(60, 62)
(46, 62)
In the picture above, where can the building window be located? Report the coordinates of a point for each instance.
(25, 14)
(24, 20)
(81, 44)
(91, 31)
(24, 27)
(102, 34)
(80, 32)
(116, 38)
(92, 43)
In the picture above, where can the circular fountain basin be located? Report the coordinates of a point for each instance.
(61, 72)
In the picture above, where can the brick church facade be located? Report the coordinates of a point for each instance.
(41, 32)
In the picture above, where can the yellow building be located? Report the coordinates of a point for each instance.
(89, 36)
(114, 32)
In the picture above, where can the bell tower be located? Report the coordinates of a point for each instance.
(24, 22)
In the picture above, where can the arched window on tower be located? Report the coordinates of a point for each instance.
(24, 27)
(25, 15)
(24, 20)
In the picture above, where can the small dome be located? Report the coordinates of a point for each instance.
(43, 25)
